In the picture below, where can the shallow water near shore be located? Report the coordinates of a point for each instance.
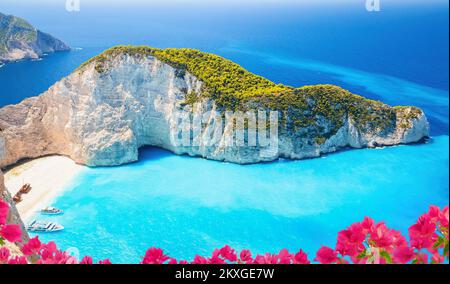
(190, 206)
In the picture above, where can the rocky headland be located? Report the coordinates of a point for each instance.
(128, 97)
(20, 40)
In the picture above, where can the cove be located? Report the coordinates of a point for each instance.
(190, 206)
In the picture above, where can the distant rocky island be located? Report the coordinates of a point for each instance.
(20, 40)
(127, 97)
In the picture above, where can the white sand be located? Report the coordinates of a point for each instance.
(48, 176)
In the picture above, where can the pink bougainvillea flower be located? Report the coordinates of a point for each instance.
(245, 256)
(422, 243)
(200, 260)
(421, 258)
(32, 247)
(367, 224)
(86, 260)
(228, 253)
(359, 259)
(342, 261)
(398, 239)
(350, 241)
(384, 238)
(59, 258)
(11, 233)
(48, 251)
(68, 259)
(215, 258)
(18, 260)
(301, 258)
(423, 233)
(443, 218)
(51, 255)
(154, 256)
(403, 255)
(383, 245)
(423, 228)
(437, 258)
(174, 261)
(4, 255)
(284, 257)
(381, 236)
(105, 261)
(326, 255)
(433, 213)
(266, 259)
(4, 210)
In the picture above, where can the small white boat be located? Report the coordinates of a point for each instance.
(51, 211)
(44, 227)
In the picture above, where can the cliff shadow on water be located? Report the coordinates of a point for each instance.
(151, 153)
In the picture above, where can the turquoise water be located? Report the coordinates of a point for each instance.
(189, 205)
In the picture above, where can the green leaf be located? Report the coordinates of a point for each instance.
(439, 242)
(362, 254)
(386, 256)
(446, 250)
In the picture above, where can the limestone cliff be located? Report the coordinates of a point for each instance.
(20, 40)
(103, 112)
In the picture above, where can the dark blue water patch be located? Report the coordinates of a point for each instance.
(150, 153)
(29, 78)
(19, 80)
(402, 42)
(405, 40)
(390, 90)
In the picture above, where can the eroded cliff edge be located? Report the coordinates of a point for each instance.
(127, 97)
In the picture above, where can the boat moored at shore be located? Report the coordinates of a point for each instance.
(51, 211)
(44, 227)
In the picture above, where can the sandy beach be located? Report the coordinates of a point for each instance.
(48, 176)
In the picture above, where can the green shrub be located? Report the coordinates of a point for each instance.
(234, 88)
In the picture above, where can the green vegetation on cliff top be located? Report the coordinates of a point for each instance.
(233, 87)
(225, 81)
(14, 29)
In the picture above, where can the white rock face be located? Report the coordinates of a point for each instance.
(103, 119)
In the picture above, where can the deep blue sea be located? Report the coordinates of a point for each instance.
(189, 205)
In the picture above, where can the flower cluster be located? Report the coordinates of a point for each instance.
(227, 255)
(11, 233)
(365, 242)
(369, 242)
